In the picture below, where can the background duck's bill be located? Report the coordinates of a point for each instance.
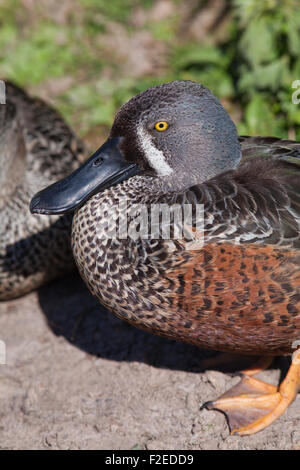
(105, 168)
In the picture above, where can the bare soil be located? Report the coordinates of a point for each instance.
(107, 385)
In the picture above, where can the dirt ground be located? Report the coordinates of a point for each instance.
(108, 385)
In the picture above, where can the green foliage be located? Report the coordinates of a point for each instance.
(45, 50)
(205, 64)
(32, 61)
(116, 10)
(98, 101)
(255, 66)
(268, 51)
(252, 68)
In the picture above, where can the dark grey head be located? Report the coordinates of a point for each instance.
(178, 133)
(195, 141)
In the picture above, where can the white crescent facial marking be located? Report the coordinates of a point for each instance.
(155, 157)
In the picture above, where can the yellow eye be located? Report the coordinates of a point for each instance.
(161, 126)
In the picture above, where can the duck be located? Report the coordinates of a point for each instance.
(226, 276)
(36, 148)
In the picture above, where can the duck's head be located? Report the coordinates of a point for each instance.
(177, 134)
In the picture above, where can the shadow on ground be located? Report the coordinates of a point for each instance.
(72, 312)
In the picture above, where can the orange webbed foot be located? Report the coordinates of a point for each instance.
(252, 405)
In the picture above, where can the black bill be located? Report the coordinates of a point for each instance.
(105, 168)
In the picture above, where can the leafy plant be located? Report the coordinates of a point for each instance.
(255, 66)
(251, 69)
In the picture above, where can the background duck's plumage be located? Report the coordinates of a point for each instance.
(33, 249)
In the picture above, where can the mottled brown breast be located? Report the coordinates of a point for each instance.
(234, 297)
(242, 298)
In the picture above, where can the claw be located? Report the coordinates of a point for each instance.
(252, 404)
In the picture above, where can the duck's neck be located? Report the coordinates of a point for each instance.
(12, 159)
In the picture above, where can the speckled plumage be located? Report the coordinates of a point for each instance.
(241, 297)
(36, 148)
(232, 282)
